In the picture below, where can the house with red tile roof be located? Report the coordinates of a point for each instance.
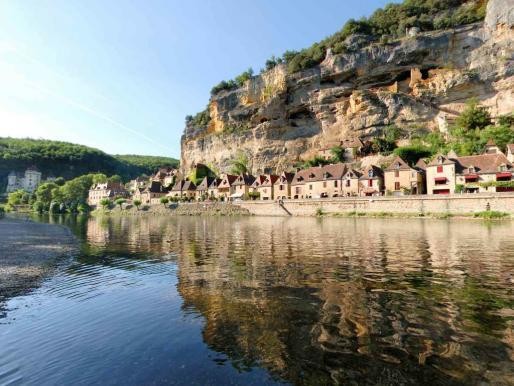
(440, 175)
(226, 186)
(489, 172)
(371, 183)
(400, 178)
(282, 186)
(350, 183)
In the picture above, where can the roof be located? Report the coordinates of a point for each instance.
(227, 181)
(285, 178)
(215, 182)
(259, 180)
(440, 160)
(421, 164)
(490, 143)
(320, 173)
(189, 186)
(206, 182)
(352, 173)
(398, 164)
(244, 179)
(270, 179)
(179, 185)
(375, 171)
(484, 163)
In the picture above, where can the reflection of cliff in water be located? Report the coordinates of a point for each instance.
(338, 300)
(319, 301)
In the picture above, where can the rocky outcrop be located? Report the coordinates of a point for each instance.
(420, 82)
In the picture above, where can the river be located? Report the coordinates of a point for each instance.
(258, 301)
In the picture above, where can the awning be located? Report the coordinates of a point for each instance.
(504, 175)
(440, 179)
(237, 195)
(471, 177)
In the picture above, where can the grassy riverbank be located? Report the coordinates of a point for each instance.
(29, 252)
(182, 209)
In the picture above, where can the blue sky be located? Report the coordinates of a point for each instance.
(122, 75)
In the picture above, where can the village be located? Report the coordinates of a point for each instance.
(490, 172)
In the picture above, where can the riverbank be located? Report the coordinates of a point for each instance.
(180, 209)
(463, 205)
(29, 252)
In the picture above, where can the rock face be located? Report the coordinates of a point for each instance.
(420, 82)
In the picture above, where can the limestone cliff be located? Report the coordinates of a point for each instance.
(420, 81)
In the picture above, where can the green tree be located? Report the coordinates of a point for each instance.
(240, 164)
(474, 116)
(114, 179)
(164, 201)
(337, 154)
(501, 135)
(412, 153)
(16, 197)
(120, 201)
(105, 202)
(137, 203)
(44, 193)
(59, 181)
(316, 161)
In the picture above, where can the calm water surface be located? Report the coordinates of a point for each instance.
(269, 301)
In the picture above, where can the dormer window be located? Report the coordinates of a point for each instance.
(440, 159)
(311, 175)
(471, 169)
(502, 168)
(370, 173)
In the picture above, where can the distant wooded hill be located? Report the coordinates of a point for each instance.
(68, 160)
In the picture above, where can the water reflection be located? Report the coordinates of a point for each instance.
(320, 301)
(315, 301)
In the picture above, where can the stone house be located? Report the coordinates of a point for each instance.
(440, 175)
(137, 183)
(202, 190)
(259, 180)
(480, 173)
(176, 189)
(318, 181)
(282, 186)
(166, 176)
(400, 178)
(212, 192)
(109, 190)
(371, 183)
(350, 183)
(242, 186)
(29, 181)
(151, 194)
(189, 190)
(266, 188)
(225, 187)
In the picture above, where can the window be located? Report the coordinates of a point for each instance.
(397, 173)
(324, 184)
(347, 183)
(297, 190)
(370, 173)
(370, 183)
(310, 187)
(335, 184)
(396, 186)
(440, 169)
(281, 187)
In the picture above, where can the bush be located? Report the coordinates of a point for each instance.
(164, 200)
(413, 153)
(474, 116)
(105, 203)
(491, 214)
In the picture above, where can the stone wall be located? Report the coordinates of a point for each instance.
(453, 204)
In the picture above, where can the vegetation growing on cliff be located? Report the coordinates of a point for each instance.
(384, 24)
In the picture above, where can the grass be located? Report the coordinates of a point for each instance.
(320, 212)
(491, 215)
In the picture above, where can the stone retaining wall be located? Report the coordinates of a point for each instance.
(453, 204)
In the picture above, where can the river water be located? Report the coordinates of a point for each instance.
(257, 301)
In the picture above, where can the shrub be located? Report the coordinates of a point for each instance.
(412, 153)
(137, 203)
(474, 116)
(105, 203)
(120, 201)
(491, 214)
(320, 212)
(459, 188)
(164, 200)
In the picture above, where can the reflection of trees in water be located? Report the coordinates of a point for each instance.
(391, 301)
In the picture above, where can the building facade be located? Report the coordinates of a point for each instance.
(29, 181)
